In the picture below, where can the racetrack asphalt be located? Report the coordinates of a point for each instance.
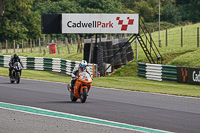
(164, 112)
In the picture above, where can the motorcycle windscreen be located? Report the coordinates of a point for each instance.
(85, 74)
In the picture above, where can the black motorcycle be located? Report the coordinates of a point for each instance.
(16, 73)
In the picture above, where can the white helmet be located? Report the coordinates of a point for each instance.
(83, 64)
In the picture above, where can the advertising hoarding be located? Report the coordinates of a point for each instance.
(100, 23)
(188, 75)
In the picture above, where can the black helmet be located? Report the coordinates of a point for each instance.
(15, 55)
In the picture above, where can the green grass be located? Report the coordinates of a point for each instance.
(125, 77)
(128, 83)
(40, 75)
(36, 52)
(173, 54)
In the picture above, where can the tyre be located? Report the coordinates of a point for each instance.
(84, 95)
(18, 78)
(72, 97)
(86, 51)
(100, 60)
(11, 81)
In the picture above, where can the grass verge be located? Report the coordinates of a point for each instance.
(128, 83)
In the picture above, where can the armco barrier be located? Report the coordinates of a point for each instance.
(157, 71)
(47, 64)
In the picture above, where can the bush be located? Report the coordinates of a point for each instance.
(163, 25)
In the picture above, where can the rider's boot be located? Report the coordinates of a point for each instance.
(71, 88)
(9, 73)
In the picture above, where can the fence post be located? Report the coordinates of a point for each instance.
(34, 45)
(75, 41)
(31, 45)
(40, 46)
(82, 40)
(49, 45)
(166, 37)
(67, 44)
(197, 36)
(79, 43)
(181, 37)
(57, 45)
(150, 39)
(6, 46)
(71, 41)
(93, 68)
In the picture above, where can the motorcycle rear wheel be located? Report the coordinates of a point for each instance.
(84, 95)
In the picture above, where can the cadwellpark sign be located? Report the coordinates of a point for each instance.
(100, 23)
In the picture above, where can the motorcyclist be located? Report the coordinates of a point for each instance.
(14, 59)
(82, 67)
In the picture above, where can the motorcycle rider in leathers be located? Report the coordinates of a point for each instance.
(82, 67)
(14, 59)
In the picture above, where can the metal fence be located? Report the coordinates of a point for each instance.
(64, 44)
(177, 37)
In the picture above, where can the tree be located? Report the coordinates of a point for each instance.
(1, 9)
(12, 24)
(19, 22)
(171, 13)
(145, 10)
(101, 6)
(189, 9)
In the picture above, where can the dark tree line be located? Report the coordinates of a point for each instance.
(21, 19)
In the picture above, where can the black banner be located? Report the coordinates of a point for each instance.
(188, 75)
(51, 23)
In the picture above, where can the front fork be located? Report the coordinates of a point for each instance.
(85, 86)
(82, 87)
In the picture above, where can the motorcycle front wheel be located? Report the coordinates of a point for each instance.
(11, 81)
(17, 77)
(84, 95)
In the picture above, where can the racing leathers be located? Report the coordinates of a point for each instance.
(75, 74)
(12, 62)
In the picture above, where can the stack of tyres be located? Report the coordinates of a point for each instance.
(105, 59)
(100, 60)
(1, 60)
(30, 63)
(86, 51)
(129, 52)
(103, 53)
(48, 64)
(117, 57)
(95, 55)
(109, 48)
(123, 54)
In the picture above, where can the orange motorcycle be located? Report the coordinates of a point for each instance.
(81, 87)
